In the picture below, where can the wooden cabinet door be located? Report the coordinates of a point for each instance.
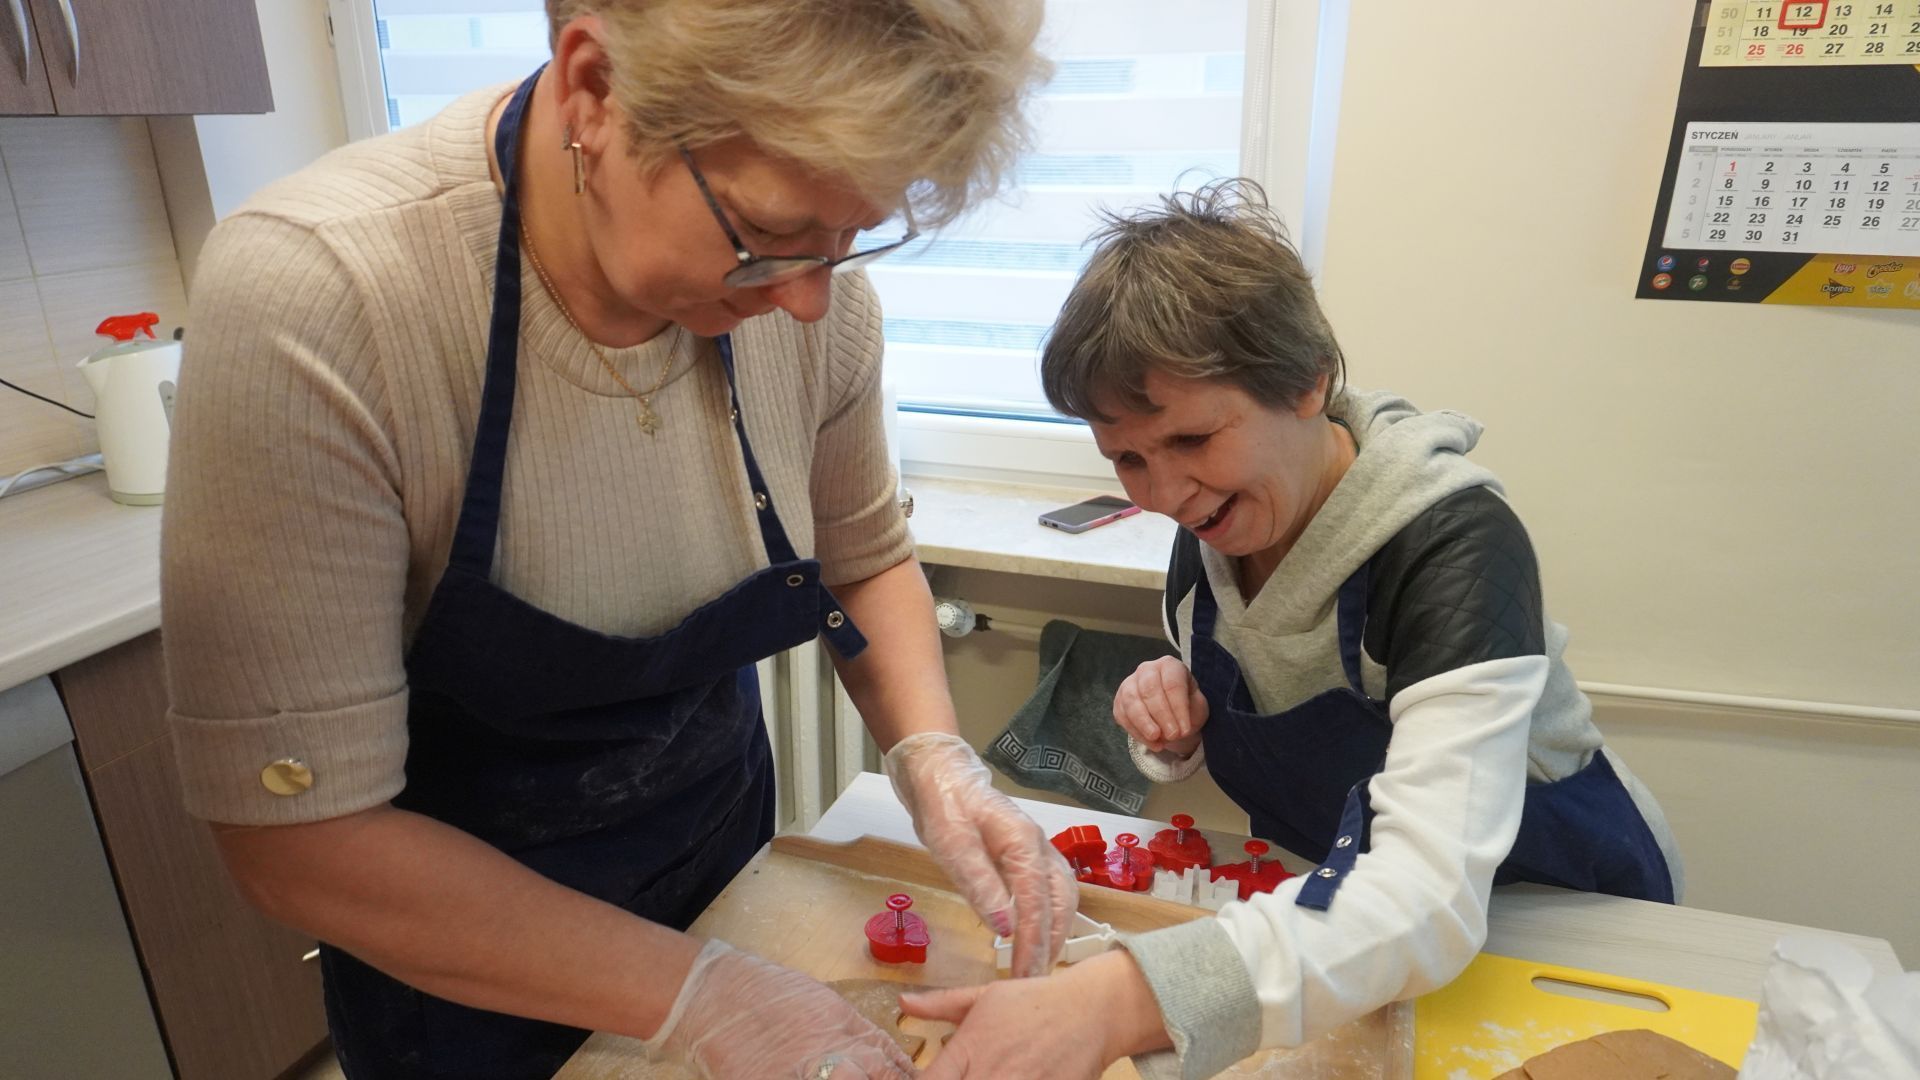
(234, 995)
(24, 90)
(147, 57)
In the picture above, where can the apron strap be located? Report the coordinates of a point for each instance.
(1206, 610)
(1356, 822)
(835, 626)
(772, 533)
(478, 531)
(1351, 611)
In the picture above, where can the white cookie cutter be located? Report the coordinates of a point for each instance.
(1089, 938)
(1195, 886)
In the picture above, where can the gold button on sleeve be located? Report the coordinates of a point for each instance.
(288, 776)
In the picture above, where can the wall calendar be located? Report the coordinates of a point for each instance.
(1793, 175)
(1744, 33)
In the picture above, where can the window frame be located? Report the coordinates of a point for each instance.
(1295, 54)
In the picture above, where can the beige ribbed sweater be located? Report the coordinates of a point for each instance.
(326, 414)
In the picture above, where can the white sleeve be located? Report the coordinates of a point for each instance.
(1413, 910)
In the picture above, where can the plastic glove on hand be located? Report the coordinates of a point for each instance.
(997, 857)
(739, 1017)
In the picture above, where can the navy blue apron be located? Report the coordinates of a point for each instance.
(635, 770)
(1301, 775)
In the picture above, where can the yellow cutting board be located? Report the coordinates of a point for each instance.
(1493, 1018)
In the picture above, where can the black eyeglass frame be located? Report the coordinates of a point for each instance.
(755, 271)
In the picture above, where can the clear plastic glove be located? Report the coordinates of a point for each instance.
(739, 1017)
(997, 856)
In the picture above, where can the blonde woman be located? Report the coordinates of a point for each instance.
(507, 445)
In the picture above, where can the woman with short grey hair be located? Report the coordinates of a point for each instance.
(1366, 667)
(507, 445)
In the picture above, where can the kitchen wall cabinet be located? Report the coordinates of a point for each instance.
(132, 57)
(24, 88)
(235, 998)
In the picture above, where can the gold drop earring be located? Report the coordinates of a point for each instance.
(579, 162)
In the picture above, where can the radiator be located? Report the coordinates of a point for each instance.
(819, 741)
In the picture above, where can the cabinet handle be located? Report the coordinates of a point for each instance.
(73, 35)
(26, 39)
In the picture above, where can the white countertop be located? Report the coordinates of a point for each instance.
(79, 573)
(994, 526)
(1686, 947)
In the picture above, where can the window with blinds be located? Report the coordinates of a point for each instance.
(1146, 99)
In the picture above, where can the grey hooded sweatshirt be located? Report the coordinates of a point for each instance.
(1473, 723)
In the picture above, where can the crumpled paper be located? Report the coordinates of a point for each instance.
(1825, 1015)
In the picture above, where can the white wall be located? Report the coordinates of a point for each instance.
(210, 164)
(1725, 497)
(1805, 819)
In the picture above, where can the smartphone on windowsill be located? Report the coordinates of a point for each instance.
(1089, 514)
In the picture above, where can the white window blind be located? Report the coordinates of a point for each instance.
(432, 51)
(1146, 98)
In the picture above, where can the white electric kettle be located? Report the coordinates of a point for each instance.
(133, 384)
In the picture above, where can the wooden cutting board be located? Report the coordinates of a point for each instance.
(1495, 1016)
(804, 903)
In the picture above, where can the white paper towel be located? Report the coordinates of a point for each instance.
(1825, 1016)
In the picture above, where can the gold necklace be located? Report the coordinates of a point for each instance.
(648, 419)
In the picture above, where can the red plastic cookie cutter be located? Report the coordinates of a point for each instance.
(1182, 846)
(1083, 847)
(1253, 875)
(1128, 869)
(894, 936)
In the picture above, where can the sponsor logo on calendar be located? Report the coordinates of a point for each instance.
(1702, 263)
(1880, 288)
(1733, 284)
(1845, 268)
(1697, 282)
(1661, 281)
(1885, 268)
(1740, 266)
(1664, 262)
(1913, 290)
(1834, 289)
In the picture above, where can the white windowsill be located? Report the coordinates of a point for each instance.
(992, 525)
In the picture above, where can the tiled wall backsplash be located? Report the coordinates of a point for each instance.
(83, 235)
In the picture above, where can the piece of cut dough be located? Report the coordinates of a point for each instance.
(1622, 1055)
(879, 1001)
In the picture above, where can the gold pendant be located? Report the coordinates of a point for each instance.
(648, 422)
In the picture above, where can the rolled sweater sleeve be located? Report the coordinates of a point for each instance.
(284, 548)
(859, 529)
(1466, 665)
